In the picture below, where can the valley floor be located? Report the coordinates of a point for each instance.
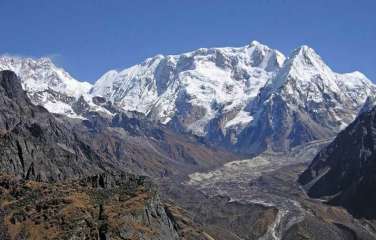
(262, 193)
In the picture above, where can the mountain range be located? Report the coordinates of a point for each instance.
(248, 99)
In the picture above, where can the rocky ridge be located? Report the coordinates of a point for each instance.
(344, 172)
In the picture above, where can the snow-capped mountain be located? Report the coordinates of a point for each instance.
(251, 98)
(46, 84)
(305, 101)
(193, 88)
(51, 86)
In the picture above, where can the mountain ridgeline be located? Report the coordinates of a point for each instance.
(248, 99)
(344, 173)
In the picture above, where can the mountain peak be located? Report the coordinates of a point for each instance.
(305, 64)
(306, 54)
(272, 59)
(305, 77)
(42, 74)
(304, 48)
(302, 65)
(45, 83)
(255, 43)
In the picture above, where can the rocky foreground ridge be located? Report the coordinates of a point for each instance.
(97, 207)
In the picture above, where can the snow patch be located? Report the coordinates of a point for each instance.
(242, 118)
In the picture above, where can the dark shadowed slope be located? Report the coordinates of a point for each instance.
(345, 171)
(34, 144)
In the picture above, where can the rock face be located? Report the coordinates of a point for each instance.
(344, 172)
(34, 144)
(98, 207)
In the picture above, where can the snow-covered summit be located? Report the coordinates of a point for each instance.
(303, 64)
(45, 83)
(201, 83)
(223, 93)
(306, 71)
(305, 101)
(42, 74)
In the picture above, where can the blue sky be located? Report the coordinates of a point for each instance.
(89, 37)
